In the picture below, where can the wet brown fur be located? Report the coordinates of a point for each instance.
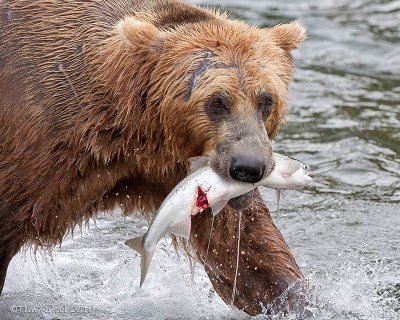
(93, 116)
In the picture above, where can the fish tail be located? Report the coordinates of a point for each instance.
(137, 245)
(144, 266)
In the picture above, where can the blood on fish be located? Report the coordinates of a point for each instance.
(201, 201)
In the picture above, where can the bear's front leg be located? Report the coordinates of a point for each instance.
(266, 266)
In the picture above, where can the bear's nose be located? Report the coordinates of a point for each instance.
(246, 169)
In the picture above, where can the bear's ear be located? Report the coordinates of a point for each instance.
(288, 36)
(137, 33)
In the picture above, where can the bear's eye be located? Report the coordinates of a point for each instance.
(218, 103)
(266, 104)
(217, 107)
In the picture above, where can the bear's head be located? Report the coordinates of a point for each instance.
(216, 88)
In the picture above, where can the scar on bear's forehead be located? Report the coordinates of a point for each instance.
(205, 64)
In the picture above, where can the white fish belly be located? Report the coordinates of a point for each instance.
(177, 206)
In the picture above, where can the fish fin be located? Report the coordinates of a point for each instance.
(198, 162)
(144, 265)
(182, 228)
(278, 198)
(278, 155)
(218, 207)
(136, 244)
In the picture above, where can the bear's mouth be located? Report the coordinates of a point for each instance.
(242, 202)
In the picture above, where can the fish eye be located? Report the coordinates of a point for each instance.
(305, 167)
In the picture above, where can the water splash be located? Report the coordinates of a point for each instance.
(350, 293)
(240, 212)
(97, 275)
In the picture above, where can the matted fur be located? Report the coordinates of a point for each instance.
(95, 113)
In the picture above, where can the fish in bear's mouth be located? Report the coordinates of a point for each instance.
(239, 203)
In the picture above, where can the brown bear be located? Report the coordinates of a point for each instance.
(102, 103)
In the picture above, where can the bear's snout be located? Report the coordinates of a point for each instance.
(246, 169)
(244, 152)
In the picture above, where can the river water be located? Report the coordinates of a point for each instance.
(344, 230)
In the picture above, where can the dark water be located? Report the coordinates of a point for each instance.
(344, 230)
